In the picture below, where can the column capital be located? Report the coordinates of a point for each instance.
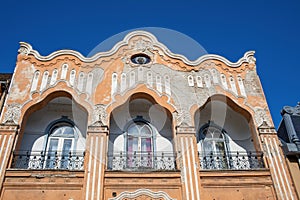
(185, 130)
(9, 127)
(97, 128)
(265, 128)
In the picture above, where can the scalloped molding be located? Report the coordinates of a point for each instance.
(26, 49)
(145, 192)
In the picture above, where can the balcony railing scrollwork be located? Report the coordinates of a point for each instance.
(231, 161)
(142, 161)
(48, 160)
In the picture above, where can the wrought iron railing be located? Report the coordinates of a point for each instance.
(231, 161)
(142, 161)
(48, 160)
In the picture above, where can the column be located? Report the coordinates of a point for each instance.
(276, 161)
(189, 162)
(95, 162)
(7, 138)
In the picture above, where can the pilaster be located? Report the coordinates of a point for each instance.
(7, 136)
(95, 161)
(276, 162)
(189, 162)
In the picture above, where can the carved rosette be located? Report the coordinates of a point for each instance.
(12, 114)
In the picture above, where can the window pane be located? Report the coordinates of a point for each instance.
(220, 147)
(208, 147)
(65, 154)
(145, 131)
(132, 144)
(67, 130)
(53, 144)
(146, 144)
(67, 145)
(63, 131)
(51, 154)
(133, 130)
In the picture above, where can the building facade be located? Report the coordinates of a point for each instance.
(138, 122)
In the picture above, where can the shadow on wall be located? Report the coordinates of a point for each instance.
(235, 124)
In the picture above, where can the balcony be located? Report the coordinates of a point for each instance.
(142, 161)
(231, 161)
(48, 160)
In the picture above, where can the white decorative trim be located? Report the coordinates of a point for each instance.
(139, 192)
(275, 154)
(283, 170)
(89, 169)
(195, 169)
(199, 82)
(54, 77)
(26, 49)
(99, 169)
(35, 81)
(44, 81)
(190, 80)
(95, 155)
(272, 167)
(189, 166)
(184, 169)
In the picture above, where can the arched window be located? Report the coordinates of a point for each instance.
(214, 141)
(139, 144)
(60, 144)
(214, 146)
(139, 137)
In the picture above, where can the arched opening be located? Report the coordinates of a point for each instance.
(224, 137)
(141, 136)
(53, 136)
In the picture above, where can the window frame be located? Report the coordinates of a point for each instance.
(215, 157)
(59, 154)
(140, 155)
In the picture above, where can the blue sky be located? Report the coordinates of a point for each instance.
(227, 28)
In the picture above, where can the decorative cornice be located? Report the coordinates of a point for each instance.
(26, 49)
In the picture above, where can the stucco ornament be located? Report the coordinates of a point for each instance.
(260, 116)
(183, 117)
(24, 48)
(251, 59)
(141, 45)
(12, 114)
(143, 194)
(100, 115)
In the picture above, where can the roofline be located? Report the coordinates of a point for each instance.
(26, 49)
